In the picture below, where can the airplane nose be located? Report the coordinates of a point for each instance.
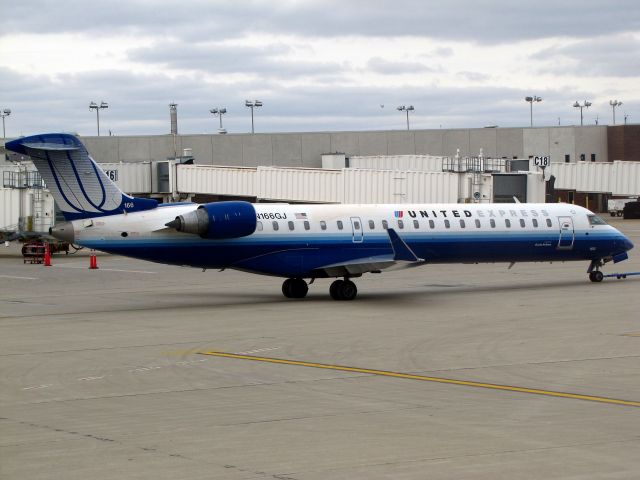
(626, 244)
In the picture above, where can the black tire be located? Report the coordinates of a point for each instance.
(349, 290)
(335, 290)
(299, 288)
(287, 289)
(596, 276)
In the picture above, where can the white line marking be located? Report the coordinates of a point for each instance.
(106, 269)
(18, 278)
(258, 350)
(88, 379)
(35, 387)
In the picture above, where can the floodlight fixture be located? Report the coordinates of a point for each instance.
(531, 101)
(614, 104)
(584, 104)
(97, 108)
(252, 104)
(5, 113)
(407, 109)
(218, 112)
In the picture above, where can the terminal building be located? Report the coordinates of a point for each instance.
(589, 165)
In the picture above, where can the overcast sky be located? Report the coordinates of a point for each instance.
(316, 65)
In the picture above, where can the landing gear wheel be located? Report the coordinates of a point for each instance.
(295, 288)
(596, 276)
(343, 290)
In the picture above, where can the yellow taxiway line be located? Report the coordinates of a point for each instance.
(409, 376)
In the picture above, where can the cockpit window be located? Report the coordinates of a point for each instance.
(596, 220)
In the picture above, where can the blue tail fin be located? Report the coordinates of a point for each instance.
(80, 188)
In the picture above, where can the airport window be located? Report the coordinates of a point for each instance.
(306, 225)
(447, 224)
(291, 225)
(259, 226)
(462, 224)
(548, 222)
(535, 222)
(507, 223)
(567, 158)
(583, 157)
(593, 157)
(385, 224)
(275, 226)
(432, 224)
(323, 225)
(400, 224)
(416, 224)
(372, 224)
(477, 223)
(340, 226)
(492, 222)
(522, 222)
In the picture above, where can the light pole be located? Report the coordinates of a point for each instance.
(5, 113)
(531, 100)
(614, 104)
(97, 108)
(218, 112)
(408, 109)
(252, 104)
(585, 104)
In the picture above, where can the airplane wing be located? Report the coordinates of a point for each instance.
(400, 257)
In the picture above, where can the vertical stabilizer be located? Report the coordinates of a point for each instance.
(80, 188)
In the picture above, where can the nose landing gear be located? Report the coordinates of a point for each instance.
(596, 276)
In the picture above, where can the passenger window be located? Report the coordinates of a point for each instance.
(356, 225)
(323, 225)
(507, 223)
(385, 224)
(400, 224)
(306, 225)
(416, 224)
(291, 225)
(340, 225)
(462, 224)
(432, 224)
(548, 222)
(447, 224)
(535, 222)
(275, 226)
(372, 225)
(522, 222)
(492, 222)
(259, 226)
(477, 223)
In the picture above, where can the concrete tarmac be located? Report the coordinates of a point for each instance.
(102, 377)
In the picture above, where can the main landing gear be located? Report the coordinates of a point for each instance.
(339, 290)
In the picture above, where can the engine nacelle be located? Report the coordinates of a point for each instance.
(218, 220)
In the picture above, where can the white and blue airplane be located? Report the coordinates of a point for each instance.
(300, 242)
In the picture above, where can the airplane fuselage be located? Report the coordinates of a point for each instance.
(305, 240)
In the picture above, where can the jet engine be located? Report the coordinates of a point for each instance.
(218, 220)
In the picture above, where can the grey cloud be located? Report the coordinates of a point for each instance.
(220, 58)
(387, 67)
(474, 76)
(616, 56)
(491, 21)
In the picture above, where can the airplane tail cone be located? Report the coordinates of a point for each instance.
(47, 255)
(93, 261)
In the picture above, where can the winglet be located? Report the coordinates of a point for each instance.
(401, 251)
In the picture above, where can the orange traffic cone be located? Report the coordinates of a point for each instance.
(93, 261)
(47, 255)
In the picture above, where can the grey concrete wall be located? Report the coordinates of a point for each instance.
(305, 149)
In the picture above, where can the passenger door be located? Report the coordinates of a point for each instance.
(356, 228)
(567, 233)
